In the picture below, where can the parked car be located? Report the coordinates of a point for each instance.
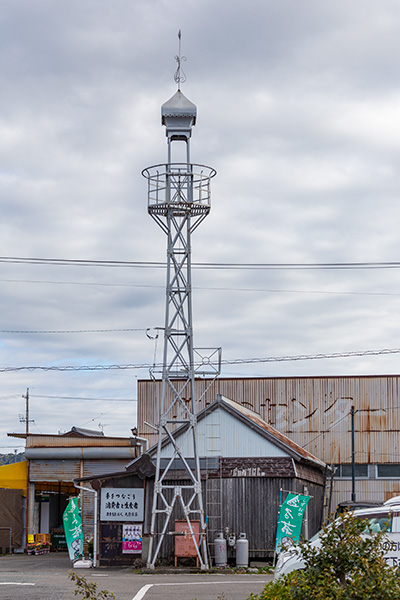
(352, 506)
(385, 516)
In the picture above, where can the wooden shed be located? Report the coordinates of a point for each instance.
(245, 463)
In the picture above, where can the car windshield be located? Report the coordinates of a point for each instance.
(377, 522)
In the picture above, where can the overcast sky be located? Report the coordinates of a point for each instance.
(298, 111)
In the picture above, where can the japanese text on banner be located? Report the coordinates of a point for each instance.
(290, 520)
(73, 529)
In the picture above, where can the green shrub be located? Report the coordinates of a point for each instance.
(88, 589)
(347, 566)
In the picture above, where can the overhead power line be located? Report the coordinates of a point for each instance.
(202, 288)
(67, 262)
(235, 361)
(62, 331)
(351, 354)
(198, 265)
(84, 398)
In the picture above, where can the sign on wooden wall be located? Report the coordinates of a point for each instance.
(121, 504)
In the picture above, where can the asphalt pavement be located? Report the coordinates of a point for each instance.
(45, 577)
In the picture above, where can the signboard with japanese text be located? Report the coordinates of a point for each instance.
(290, 520)
(122, 504)
(73, 529)
(132, 539)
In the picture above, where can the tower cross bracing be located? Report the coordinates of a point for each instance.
(178, 200)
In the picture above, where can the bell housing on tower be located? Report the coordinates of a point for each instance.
(178, 115)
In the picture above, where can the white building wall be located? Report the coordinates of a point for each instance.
(238, 439)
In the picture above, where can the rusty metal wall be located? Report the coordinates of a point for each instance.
(313, 411)
(101, 467)
(54, 470)
(67, 470)
(367, 490)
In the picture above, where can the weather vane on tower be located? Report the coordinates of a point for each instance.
(179, 76)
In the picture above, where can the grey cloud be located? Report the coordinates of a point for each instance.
(298, 112)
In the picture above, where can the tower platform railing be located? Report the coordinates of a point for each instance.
(183, 188)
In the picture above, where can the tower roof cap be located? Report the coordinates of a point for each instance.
(178, 106)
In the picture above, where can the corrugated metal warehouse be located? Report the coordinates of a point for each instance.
(315, 413)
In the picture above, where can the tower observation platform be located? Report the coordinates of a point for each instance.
(181, 189)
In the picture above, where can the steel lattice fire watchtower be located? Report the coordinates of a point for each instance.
(178, 200)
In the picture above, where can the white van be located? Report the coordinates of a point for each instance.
(387, 515)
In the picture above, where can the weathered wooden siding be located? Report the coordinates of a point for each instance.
(249, 505)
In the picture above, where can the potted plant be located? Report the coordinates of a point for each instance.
(30, 549)
(90, 546)
(45, 547)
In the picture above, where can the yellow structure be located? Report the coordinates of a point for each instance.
(14, 476)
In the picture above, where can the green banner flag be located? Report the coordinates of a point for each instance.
(290, 520)
(73, 529)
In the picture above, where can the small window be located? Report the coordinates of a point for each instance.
(360, 471)
(389, 471)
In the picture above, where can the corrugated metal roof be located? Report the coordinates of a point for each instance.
(60, 441)
(83, 432)
(99, 453)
